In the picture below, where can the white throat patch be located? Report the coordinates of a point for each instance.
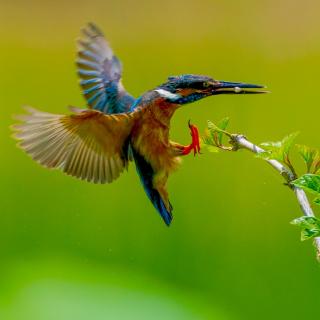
(168, 95)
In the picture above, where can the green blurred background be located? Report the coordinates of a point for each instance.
(72, 250)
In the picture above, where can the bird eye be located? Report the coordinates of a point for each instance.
(206, 84)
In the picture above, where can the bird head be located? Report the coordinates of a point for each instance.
(189, 88)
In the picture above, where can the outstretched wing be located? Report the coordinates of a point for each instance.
(100, 73)
(87, 144)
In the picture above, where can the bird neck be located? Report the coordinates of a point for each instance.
(163, 111)
(157, 107)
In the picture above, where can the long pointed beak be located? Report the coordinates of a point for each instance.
(225, 87)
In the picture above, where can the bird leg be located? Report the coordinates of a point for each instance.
(194, 145)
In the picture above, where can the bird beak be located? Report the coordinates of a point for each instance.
(225, 87)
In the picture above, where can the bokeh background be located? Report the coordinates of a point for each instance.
(72, 250)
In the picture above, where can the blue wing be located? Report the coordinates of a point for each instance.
(146, 174)
(100, 73)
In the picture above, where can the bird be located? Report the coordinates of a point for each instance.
(97, 143)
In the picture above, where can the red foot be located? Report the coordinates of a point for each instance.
(195, 144)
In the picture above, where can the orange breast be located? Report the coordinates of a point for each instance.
(150, 137)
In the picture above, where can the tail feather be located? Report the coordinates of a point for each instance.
(146, 174)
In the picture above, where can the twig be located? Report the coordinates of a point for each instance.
(240, 141)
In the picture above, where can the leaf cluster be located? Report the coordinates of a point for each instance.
(311, 183)
(311, 157)
(310, 227)
(214, 133)
(280, 151)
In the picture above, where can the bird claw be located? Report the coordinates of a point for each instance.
(195, 144)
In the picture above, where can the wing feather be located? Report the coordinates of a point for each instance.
(100, 73)
(87, 144)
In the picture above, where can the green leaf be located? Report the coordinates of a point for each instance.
(212, 126)
(213, 149)
(208, 141)
(310, 227)
(214, 133)
(278, 150)
(288, 141)
(309, 182)
(311, 158)
(271, 145)
(316, 166)
(222, 125)
(307, 234)
(317, 201)
(264, 155)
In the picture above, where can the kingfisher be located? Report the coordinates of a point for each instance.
(97, 143)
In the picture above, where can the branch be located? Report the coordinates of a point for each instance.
(240, 141)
